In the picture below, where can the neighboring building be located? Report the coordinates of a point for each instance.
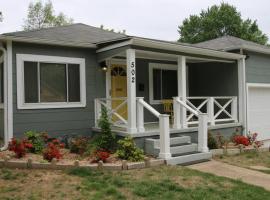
(57, 79)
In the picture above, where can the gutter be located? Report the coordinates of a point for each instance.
(46, 41)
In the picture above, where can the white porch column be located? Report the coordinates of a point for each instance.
(203, 133)
(131, 90)
(242, 102)
(181, 77)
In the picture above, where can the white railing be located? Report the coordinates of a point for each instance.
(202, 120)
(164, 126)
(107, 103)
(219, 109)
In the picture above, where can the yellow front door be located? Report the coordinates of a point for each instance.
(119, 88)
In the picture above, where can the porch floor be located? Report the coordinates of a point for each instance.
(152, 129)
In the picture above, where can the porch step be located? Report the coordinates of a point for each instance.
(189, 158)
(182, 150)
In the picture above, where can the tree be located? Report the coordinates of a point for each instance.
(1, 16)
(219, 21)
(42, 16)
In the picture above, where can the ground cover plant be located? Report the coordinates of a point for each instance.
(167, 182)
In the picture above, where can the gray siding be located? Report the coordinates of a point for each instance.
(60, 121)
(257, 68)
(1, 123)
(213, 79)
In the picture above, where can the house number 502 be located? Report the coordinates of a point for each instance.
(132, 72)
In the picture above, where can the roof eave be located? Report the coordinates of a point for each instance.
(46, 41)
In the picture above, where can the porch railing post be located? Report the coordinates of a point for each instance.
(183, 113)
(234, 109)
(211, 111)
(176, 113)
(203, 133)
(97, 111)
(140, 115)
(164, 136)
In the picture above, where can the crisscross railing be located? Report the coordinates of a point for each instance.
(115, 114)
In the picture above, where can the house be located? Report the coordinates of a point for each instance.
(57, 80)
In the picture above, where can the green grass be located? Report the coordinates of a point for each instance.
(167, 182)
(164, 183)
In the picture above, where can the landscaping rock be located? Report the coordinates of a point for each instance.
(136, 165)
(111, 166)
(217, 152)
(154, 163)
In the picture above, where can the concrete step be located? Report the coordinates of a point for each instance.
(184, 149)
(189, 158)
(174, 141)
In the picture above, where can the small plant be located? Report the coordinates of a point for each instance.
(37, 140)
(240, 139)
(19, 147)
(53, 150)
(78, 145)
(127, 150)
(221, 141)
(252, 137)
(101, 155)
(212, 142)
(106, 139)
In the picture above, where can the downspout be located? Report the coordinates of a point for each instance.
(5, 99)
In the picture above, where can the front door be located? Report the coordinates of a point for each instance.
(119, 88)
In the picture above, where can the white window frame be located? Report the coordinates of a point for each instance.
(21, 58)
(151, 85)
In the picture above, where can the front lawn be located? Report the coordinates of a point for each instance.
(154, 183)
(247, 159)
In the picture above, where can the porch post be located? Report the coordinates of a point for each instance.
(242, 102)
(131, 90)
(181, 77)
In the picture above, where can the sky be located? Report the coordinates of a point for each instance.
(157, 19)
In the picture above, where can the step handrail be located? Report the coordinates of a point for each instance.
(164, 126)
(203, 122)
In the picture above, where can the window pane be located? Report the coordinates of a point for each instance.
(1, 83)
(74, 83)
(53, 82)
(30, 82)
(169, 84)
(157, 84)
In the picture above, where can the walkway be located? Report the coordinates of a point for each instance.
(246, 175)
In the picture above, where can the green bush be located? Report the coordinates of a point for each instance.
(37, 140)
(127, 150)
(106, 139)
(212, 142)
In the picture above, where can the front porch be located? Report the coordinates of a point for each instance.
(205, 88)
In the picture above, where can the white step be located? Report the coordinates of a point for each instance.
(190, 158)
(173, 141)
(184, 149)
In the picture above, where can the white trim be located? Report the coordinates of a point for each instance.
(157, 66)
(9, 92)
(48, 59)
(242, 92)
(114, 46)
(253, 85)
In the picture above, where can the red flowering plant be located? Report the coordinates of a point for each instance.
(19, 147)
(240, 139)
(102, 155)
(53, 150)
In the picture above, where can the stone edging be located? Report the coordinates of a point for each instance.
(30, 164)
(235, 151)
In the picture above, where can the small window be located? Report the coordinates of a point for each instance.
(51, 82)
(162, 82)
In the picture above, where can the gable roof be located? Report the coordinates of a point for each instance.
(228, 43)
(80, 34)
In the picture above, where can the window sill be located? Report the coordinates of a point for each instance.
(30, 106)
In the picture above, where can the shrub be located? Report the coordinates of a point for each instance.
(19, 147)
(252, 137)
(127, 150)
(106, 139)
(212, 142)
(37, 140)
(52, 151)
(101, 155)
(240, 139)
(78, 145)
